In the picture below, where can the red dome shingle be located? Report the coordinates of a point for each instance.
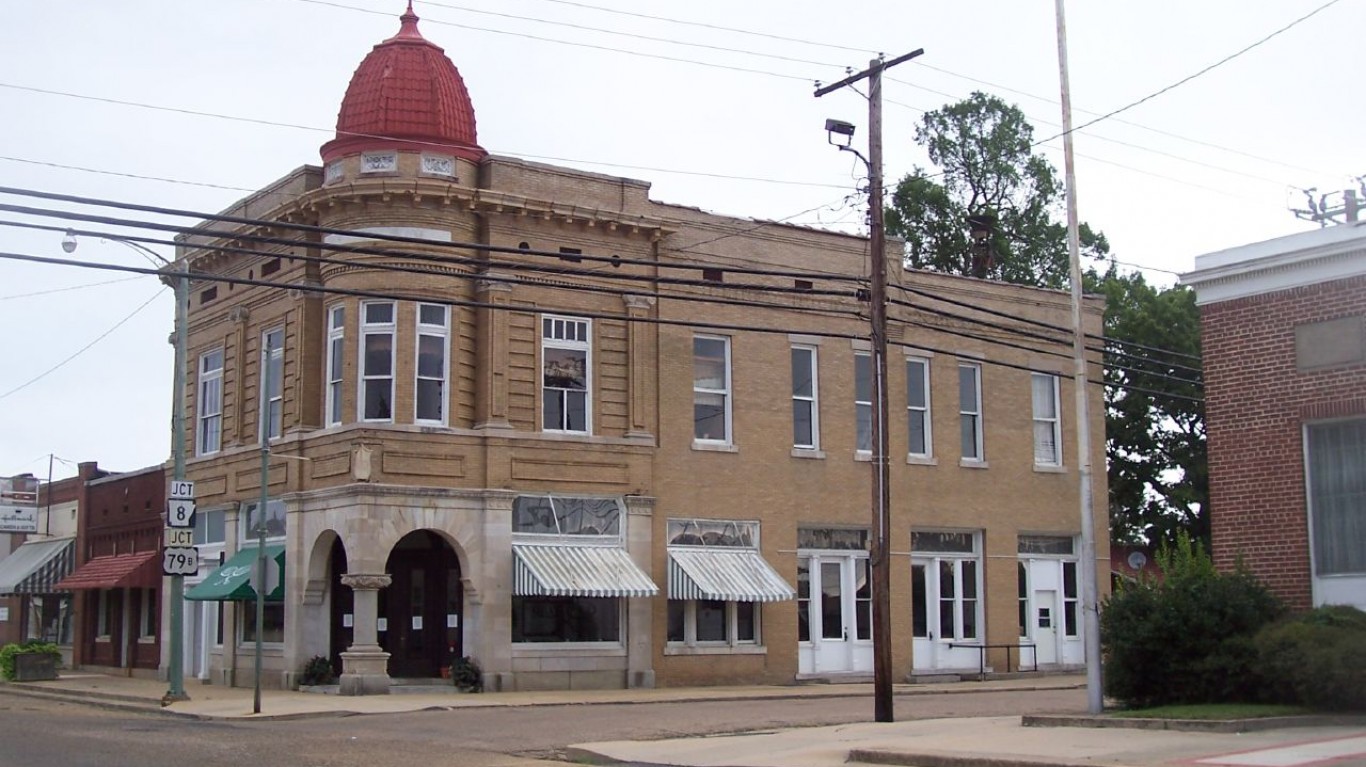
(406, 94)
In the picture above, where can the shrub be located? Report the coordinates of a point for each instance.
(1316, 659)
(317, 671)
(8, 652)
(1186, 638)
(466, 675)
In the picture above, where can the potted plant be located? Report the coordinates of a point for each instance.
(317, 672)
(466, 675)
(29, 662)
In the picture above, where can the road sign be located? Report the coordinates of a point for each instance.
(179, 537)
(273, 575)
(180, 560)
(180, 490)
(180, 513)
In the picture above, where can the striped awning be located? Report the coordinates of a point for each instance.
(37, 566)
(725, 574)
(566, 570)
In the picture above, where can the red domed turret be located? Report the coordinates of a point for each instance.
(406, 94)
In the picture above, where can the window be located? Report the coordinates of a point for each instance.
(433, 339)
(272, 382)
(711, 389)
(273, 627)
(210, 417)
(209, 527)
(377, 361)
(805, 410)
(274, 521)
(566, 515)
(863, 402)
(1337, 475)
(336, 329)
(1071, 604)
(565, 364)
(712, 621)
(945, 585)
(1047, 424)
(970, 410)
(566, 619)
(102, 621)
(147, 604)
(1022, 588)
(918, 407)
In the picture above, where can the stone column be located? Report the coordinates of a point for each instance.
(491, 377)
(640, 366)
(364, 664)
(640, 671)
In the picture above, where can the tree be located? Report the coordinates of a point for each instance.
(984, 150)
(1155, 439)
(1154, 419)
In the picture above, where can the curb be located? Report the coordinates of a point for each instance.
(914, 759)
(1224, 726)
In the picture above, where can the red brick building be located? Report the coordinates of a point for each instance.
(1284, 337)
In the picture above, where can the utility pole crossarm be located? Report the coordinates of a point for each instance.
(851, 79)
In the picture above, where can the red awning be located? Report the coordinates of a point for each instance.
(121, 571)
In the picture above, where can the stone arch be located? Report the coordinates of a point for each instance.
(318, 566)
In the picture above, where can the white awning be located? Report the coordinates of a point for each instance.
(566, 570)
(725, 574)
(37, 566)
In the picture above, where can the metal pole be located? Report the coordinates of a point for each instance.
(264, 407)
(1089, 598)
(175, 671)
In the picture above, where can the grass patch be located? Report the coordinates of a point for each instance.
(1216, 711)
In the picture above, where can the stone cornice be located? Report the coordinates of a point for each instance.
(1286, 262)
(495, 203)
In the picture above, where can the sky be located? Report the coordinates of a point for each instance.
(710, 101)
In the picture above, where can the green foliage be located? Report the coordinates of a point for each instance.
(1317, 659)
(1186, 638)
(1155, 443)
(8, 652)
(317, 671)
(466, 675)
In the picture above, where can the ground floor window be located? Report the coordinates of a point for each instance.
(273, 628)
(566, 619)
(50, 618)
(945, 585)
(1337, 480)
(709, 621)
(147, 617)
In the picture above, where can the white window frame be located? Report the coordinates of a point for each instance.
(975, 414)
(732, 640)
(249, 607)
(923, 409)
(209, 418)
(725, 393)
(811, 400)
(442, 333)
(269, 401)
(1054, 423)
(558, 337)
(368, 329)
(336, 350)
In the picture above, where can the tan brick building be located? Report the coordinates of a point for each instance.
(617, 446)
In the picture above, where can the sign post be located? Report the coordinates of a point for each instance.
(179, 557)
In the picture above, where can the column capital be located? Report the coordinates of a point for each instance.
(366, 581)
(638, 302)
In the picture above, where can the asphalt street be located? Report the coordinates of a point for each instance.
(43, 733)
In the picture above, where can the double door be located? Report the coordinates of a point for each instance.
(420, 610)
(835, 619)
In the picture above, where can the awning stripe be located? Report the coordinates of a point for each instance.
(582, 571)
(724, 574)
(37, 566)
(139, 570)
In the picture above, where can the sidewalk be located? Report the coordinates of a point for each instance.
(217, 702)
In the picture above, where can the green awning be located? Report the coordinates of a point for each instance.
(232, 581)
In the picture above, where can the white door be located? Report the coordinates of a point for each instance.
(1045, 626)
(946, 614)
(1052, 613)
(835, 602)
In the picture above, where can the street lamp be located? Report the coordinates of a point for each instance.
(175, 671)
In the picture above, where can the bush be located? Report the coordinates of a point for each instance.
(1187, 638)
(466, 675)
(1316, 659)
(8, 652)
(317, 671)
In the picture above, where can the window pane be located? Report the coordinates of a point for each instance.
(565, 619)
(953, 543)
(273, 627)
(1022, 588)
(1045, 443)
(832, 603)
(677, 614)
(968, 428)
(576, 411)
(967, 388)
(863, 378)
(379, 314)
(1045, 544)
(565, 369)
(1069, 580)
(709, 363)
(915, 383)
(863, 427)
(802, 385)
(431, 356)
(1337, 496)
(711, 621)
(335, 352)
(915, 428)
(969, 619)
(745, 622)
(429, 314)
(804, 600)
(709, 416)
(377, 399)
(969, 571)
(552, 409)
(378, 354)
(1042, 387)
(802, 427)
(919, 609)
(429, 396)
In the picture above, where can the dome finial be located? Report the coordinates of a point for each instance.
(408, 25)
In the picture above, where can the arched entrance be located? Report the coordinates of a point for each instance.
(420, 611)
(343, 607)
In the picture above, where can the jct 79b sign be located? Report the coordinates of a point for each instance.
(180, 560)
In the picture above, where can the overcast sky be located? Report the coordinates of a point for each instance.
(714, 117)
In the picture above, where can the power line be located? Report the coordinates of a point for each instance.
(83, 349)
(66, 289)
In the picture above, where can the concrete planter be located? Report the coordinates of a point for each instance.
(35, 666)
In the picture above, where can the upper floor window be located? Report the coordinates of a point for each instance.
(970, 410)
(918, 432)
(274, 521)
(1047, 424)
(336, 318)
(209, 435)
(566, 346)
(209, 526)
(711, 389)
(805, 403)
(272, 382)
(433, 369)
(566, 515)
(863, 402)
(377, 361)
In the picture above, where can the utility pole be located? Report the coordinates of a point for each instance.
(175, 670)
(880, 559)
(1090, 603)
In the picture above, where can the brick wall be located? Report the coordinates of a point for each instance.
(1256, 402)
